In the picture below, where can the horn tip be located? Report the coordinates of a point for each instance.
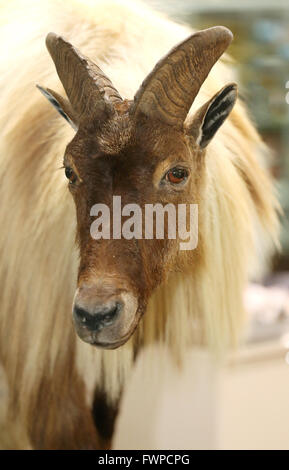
(51, 37)
(221, 35)
(51, 40)
(224, 32)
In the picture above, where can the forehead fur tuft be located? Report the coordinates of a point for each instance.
(115, 135)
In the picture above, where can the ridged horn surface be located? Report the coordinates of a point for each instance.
(88, 89)
(169, 90)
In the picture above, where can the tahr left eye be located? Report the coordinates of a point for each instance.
(70, 175)
(176, 175)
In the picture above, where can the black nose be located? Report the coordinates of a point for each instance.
(103, 316)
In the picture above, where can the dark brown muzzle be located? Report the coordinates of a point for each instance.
(104, 314)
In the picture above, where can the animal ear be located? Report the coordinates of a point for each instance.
(61, 104)
(212, 114)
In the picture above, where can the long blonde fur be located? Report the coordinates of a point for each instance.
(38, 257)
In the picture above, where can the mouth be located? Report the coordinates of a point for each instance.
(114, 345)
(92, 338)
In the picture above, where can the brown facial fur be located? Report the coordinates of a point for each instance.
(129, 158)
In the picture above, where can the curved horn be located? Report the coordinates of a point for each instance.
(169, 90)
(90, 92)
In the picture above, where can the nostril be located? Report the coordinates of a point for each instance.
(104, 316)
(81, 314)
(109, 317)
